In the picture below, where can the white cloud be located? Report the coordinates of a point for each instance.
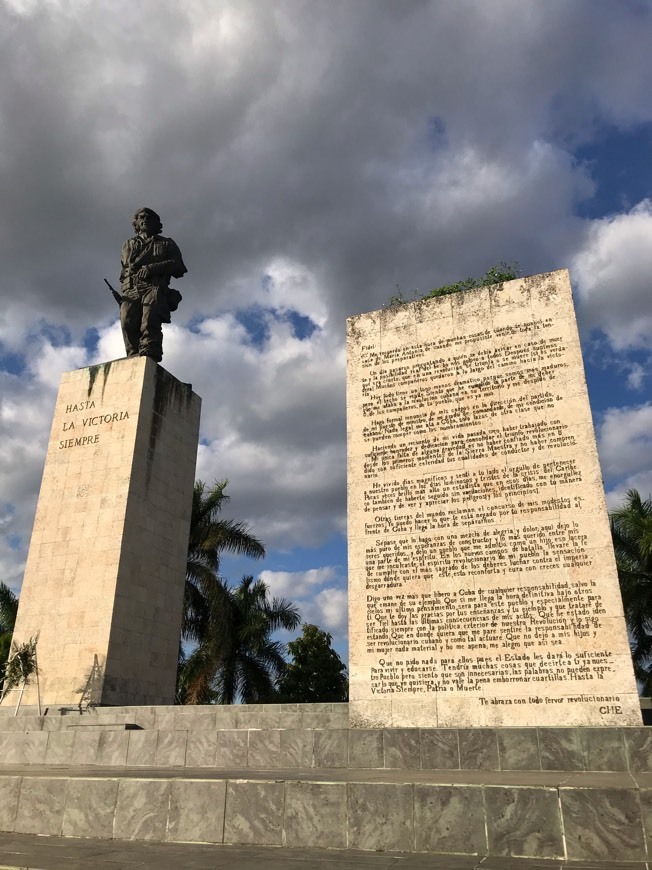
(636, 376)
(326, 607)
(273, 418)
(329, 610)
(612, 271)
(292, 287)
(625, 440)
(52, 361)
(296, 584)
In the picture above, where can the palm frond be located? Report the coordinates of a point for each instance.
(8, 608)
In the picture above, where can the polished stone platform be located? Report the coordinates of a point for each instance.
(31, 852)
(544, 814)
(246, 776)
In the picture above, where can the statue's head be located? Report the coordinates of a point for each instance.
(147, 221)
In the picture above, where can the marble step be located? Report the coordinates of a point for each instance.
(190, 718)
(597, 749)
(545, 815)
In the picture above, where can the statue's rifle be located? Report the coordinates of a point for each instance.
(116, 295)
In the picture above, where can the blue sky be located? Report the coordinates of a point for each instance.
(309, 157)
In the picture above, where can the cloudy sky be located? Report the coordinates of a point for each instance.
(308, 157)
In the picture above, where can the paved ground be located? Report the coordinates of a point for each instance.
(27, 852)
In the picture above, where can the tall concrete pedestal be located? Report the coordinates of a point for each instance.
(104, 580)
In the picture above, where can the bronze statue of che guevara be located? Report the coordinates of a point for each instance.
(148, 262)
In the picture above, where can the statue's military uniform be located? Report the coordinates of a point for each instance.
(147, 301)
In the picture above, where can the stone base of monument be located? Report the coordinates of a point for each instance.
(103, 584)
(296, 775)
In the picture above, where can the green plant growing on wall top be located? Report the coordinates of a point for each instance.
(503, 271)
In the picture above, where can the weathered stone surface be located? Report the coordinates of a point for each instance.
(171, 748)
(603, 748)
(478, 749)
(381, 816)
(646, 813)
(196, 811)
(448, 819)
(264, 749)
(11, 747)
(296, 748)
(34, 747)
(142, 748)
(40, 806)
(103, 585)
(366, 748)
(254, 813)
(331, 748)
(90, 808)
(231, 749)
(201, 749)
(9, 794)
(195, 720)
(315, 815)
(482, 582)
(141, 809)
(604, 817)
(518, 748)
(60, 745)
(112, 748)
(524, 822)
(602, 823)
(440, 749)
(84, 749)
(561, 749)
(638, 744)
(402, 748)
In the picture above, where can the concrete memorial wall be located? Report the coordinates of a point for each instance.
(104, 579)
(482, 580)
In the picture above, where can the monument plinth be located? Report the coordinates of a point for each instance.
(482, 580)
(104, 580)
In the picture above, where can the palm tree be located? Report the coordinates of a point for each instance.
(631, 530)
(210, 536)
(206, 610)
(244, 662)
(8, 611)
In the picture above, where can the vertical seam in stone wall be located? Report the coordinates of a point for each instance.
(641, 816)
(561, 824)
(65, 807)
(283, 831)
(18, 796)
(226, 807)
(115, 808)
(627, 756)
(413, 789)
(538, 748)
(185, 748)
(167, 818)
(484, 816)
(500, 760)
